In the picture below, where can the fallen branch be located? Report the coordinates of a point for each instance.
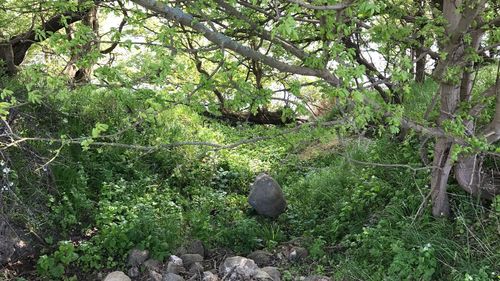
(17, 140)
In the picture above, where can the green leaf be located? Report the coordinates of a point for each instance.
(98, 129)
(86, 144)
(6, 93)
(4, 109)
(35, 97)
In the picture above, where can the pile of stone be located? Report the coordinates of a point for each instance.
(191, 265)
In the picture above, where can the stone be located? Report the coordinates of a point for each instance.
(154, 276)
(173, 268)
(196, 247)
(133, 272)
(175, 260)
(7, 247)
(117, 276)
(266, 197)
(137, 257)
(189, 259)
(209, 276)
(175, 265)
(181, 251)
(238, 268)
(172, 277)
(261, 275)
(297, 254)
(196, 268)
(153, 265)
(260, 257)
(317, 278)
(273, 272)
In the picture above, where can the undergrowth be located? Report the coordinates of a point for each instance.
(360, 219)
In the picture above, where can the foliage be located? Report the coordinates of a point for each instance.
(53, 266)
(139, 153)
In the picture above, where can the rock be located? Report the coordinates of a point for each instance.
(261, 258)
(181, 251)
(153, 265)
(6, 250)
(175, 265)
(133, 272)
(196, 268)
(209, 276)
(189, 259)
(261, 275)
(317, 278)
(196, 247)
(297, 254)
(238, 268)
(137, 257)
(273, 272)
(173, 268)
(266, 196)
(154, 276)
(117, 276)
(7, 243)
(172, 277)
(176, 260)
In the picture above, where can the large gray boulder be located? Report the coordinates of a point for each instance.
(266, 196)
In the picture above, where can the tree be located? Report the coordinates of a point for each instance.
(363, 56)
(328, 41)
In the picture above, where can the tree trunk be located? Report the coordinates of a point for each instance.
(420, 65)
(83, 74)
(7, 65)
(440, 173)
(442, 163)
(449, 92)
(419, 52)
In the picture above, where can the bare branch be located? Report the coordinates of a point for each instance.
(336, 7)
(17, 140)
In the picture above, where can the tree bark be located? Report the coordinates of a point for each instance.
(442, 163)
(420, 65)
(13, 50)
(419, 51)
(82, 74)
(440, 173)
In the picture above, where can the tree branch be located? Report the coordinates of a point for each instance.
(336, 7)
(264, 34)
(22, 42)
(224, 41)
